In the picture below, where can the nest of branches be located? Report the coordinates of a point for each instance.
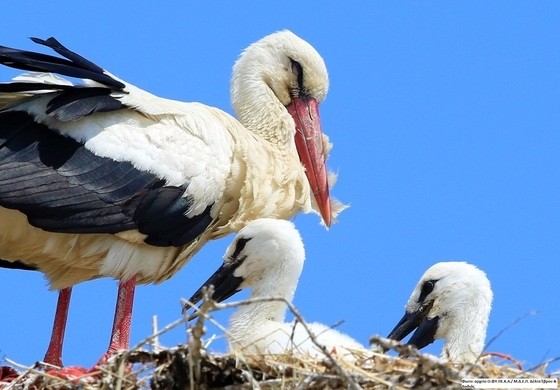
(192, 367)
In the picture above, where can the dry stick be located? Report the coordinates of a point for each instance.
(31, 370)
(544, 363)
(167, 328)
(203, 311)
(377, 378)
(173, 325)
(13, 383)
(323, 349)
(247, 373)
(207, 316)
(402, 349)
(511, 325)
(195, 343)
(299, 318)
(118, 384)
(501, 332)
(155, 342)
(121, 374)
(406, 350)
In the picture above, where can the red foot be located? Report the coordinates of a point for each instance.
(74, 373)
(7, 374)
(104, 360)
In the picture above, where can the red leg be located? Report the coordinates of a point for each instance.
(54, 352)
(120, 336)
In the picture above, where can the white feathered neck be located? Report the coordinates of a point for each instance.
(462, 300)
(263, 82)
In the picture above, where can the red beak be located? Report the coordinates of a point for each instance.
(309, 144)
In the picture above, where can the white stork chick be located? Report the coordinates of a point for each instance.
(452, 301)
(267, 256)
(105, 179)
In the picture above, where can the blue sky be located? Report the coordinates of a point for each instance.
(445, 118)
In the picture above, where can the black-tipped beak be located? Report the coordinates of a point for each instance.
(425, 333)
(425, 327)
(224, 282)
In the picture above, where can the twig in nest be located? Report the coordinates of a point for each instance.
(195, 342)
(387, 344)
(543, 364)
(511, 325)
(339, 370)
(167, 328)
(156, 347)
(501, 332)
(323, 349)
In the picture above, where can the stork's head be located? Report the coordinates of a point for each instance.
(277, 85)
(267, 255)
(290, 67)
(451, 301)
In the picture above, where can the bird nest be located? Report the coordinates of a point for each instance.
(193, 367)
(178, 368)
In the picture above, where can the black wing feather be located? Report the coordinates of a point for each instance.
(12, 125)
(79, 102)
(63, 51)
(74, 66)
(36, 62)
(63, 187)
(68, 103)
(30, 87)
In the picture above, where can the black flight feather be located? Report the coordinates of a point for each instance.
(68, 103)
(79, 102)
(61, 186)
(74, 66)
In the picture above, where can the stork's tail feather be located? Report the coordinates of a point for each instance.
(63, 51)
(73, 65)
(31, 86)
(68, 102)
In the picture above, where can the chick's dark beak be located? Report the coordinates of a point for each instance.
(418, 319)
(224, 284)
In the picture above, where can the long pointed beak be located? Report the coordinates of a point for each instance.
(225, 285)
(309, 144)
(425, 327)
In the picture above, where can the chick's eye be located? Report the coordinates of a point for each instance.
(427, 288)
(239, 246)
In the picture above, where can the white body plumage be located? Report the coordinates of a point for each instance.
(267, 256)
(227, 172)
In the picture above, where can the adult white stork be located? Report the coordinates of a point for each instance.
(105, 179)
(452, 301)
(267, 256)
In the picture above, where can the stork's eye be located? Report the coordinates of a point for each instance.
(297, 69)
(427, 288)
